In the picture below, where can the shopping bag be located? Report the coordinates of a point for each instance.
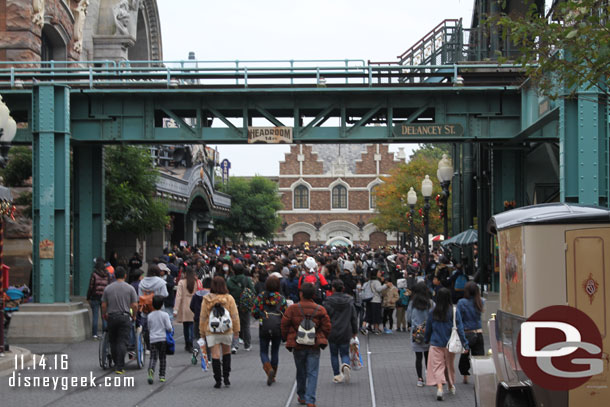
(354, 354)
(204, 354)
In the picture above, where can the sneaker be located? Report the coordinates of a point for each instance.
(439, 395)
(248, 348)
(162, 379)
(452, 389)
(95, 337)
(420, 383)
(363, 331)
(301, 401)
(120, 371)
(345, 371)
(338, 378)
(377, 332)
(388, 331)
(147, 352)
(131, 355)
(241, 341)
(234, 350)
(151, 376)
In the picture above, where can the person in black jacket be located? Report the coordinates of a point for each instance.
(344, 327)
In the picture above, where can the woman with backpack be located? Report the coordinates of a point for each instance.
(100, 278)
(219, 322)
(471, 308)
(417, 314)
(269, 307)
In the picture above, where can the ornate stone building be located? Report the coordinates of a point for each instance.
(79, 30)
(327, 192)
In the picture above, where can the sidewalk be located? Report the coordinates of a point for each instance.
(7, 363)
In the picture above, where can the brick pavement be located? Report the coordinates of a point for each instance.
(395, 378)
(392, 366)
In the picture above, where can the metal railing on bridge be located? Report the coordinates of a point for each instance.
(250, 74)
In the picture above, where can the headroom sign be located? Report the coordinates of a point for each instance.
(270, 135)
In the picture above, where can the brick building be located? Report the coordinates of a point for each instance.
(327, 192)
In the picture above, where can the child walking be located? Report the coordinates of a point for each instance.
(158, 325)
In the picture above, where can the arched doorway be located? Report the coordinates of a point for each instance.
(300, 237)
(198, 221)
(53, 45)
(378, 239)
(339, 241)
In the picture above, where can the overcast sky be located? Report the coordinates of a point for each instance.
(284, 30)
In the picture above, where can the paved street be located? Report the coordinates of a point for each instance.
(392, 368)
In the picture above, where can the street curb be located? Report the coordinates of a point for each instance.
(7, 363)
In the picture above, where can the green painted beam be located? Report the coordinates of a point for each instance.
(51, 193)
(89, 199)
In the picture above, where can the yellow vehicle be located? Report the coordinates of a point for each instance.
(551, 254)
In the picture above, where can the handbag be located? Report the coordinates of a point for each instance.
(455, 344)
(170, 343)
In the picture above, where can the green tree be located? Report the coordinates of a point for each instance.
(131, 205)
(392, 212)
(568, 46)
(19, 166)
(254, 206)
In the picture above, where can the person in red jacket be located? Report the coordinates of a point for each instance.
(306, 358)
(313, 276)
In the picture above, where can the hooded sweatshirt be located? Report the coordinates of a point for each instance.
(343, 317)
(154, 284)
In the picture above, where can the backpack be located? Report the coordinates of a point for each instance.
(403, 300)
(246, 300)
(460, 282)
(367, 292)
(145, 301)
(220, 319)
(319, 294)
(306, 334)
(271, 321)
(418, 333)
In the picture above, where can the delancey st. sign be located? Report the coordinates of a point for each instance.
(431, 129)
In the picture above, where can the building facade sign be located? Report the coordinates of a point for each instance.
(270, 135)
(431, 129)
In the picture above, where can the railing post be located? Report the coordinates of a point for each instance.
(346, 70)
(12, 76)
(370, 76)
(237, 72)
(291, 72)
(90, 77)
(246, 77)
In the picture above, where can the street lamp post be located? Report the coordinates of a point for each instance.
(426, 190)
(444, 175)
(412, 200)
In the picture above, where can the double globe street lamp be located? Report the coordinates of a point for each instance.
(444, 175)
(426, 191)
(411, 201)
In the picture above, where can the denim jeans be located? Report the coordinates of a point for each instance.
(95, 311)
(275, 342)
(336, 350)
(187, 328)
(307, 362)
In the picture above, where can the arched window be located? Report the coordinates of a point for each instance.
(301, 197)
(339, 197)
(373, 197)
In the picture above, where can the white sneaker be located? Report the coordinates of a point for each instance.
(452, 389)
(147, 352)
(346, 371)
(241, 341)
(338, 378)
(439, 395)
(248, 349)
(234, 350)
(420, 383)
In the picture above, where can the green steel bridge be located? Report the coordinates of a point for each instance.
(509, 144)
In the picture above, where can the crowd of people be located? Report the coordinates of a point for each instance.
(309, 298)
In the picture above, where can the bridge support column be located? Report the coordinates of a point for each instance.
(89, 211)
(51, 193)
(583, 142)
(51, 319)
